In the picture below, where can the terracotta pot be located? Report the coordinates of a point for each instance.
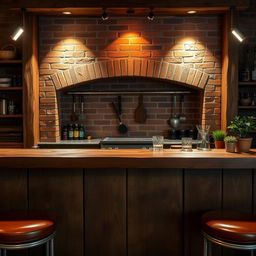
(230, 147)
(219, 144)
(244, 144)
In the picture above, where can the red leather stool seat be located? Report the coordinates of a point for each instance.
(232, 227)
(24, 229)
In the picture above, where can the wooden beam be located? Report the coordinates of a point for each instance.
(31, 82)
(117, 3)
(229, 74)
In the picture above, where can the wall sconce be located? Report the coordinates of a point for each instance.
(234, 30)
(19, 30)
(151, 14)
(17, 33)
(238, 34)
(104, 15)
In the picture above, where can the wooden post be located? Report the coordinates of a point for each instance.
(31, 82)
(229, 74)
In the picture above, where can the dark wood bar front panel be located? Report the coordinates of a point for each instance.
(134, 212)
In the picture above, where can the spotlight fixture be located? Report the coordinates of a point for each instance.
(191, 12)
(151, 15)
(17, 33)
(67, 13)
(104, 15)
(19, 30)
(238, 35)
(234, 30)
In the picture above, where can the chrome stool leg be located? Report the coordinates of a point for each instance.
(47, 248)
(252, 252)
(3, 252)
(51, 247)
(205, 247)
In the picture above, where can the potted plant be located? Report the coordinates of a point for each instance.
(218, 137)
(230, 143)
(241, 126)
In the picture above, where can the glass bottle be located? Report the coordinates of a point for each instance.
(254, 66)
(76, 132)
(65, 133)
(245, 72)
(70, 132)
(81, 132)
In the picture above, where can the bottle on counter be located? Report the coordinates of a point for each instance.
(70, 132)
(81, 132)
(76, 132)
(254, 66)
(65, 133)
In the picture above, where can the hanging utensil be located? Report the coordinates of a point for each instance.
(140, 114)
(74, 116)
(183, 117)
(82, 107)
(122, 128)
(119, 100)
(174, 120)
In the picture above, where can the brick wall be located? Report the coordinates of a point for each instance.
(193, 42)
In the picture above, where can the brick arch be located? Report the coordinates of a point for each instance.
(130, 67)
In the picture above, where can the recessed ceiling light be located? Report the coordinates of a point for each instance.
(191, 12)
(67, 13)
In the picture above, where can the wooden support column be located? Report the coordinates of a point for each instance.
(31, 82)
(229, 74)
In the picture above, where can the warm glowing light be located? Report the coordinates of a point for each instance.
(191, 12)
(17, 33)
(67, 13)
(238, 35)
(188, 45)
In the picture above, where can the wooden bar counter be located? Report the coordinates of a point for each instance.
(127, 202)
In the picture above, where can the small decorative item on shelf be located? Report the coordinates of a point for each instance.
(8, 52)
(241, 126)
(218, 137)
(245, 100)
(230, 144)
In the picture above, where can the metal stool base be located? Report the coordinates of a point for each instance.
(48, 241)
(209, 239)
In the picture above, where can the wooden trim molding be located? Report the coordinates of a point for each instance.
(229, 74)
(31, 82)
(131, 67)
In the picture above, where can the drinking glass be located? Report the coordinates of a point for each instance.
(186, 144)
(203, 137)
(158, 143)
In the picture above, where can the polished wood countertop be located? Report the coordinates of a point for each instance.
(124, 158)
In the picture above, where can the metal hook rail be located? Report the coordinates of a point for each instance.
(128, 92)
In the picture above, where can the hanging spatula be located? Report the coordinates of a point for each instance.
(140, 114)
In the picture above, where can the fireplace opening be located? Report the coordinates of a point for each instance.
(99, 117)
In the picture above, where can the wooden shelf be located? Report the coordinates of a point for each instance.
(247, 83)
(11, 145)
(10, 61)
(11, 88)
(246, 107)
(11, 116)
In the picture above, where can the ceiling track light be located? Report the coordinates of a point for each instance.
(234, 30)
(19, 30)
(104, 15)
(151, 14)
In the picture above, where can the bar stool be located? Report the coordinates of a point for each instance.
(22, 231)
(229, 229)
